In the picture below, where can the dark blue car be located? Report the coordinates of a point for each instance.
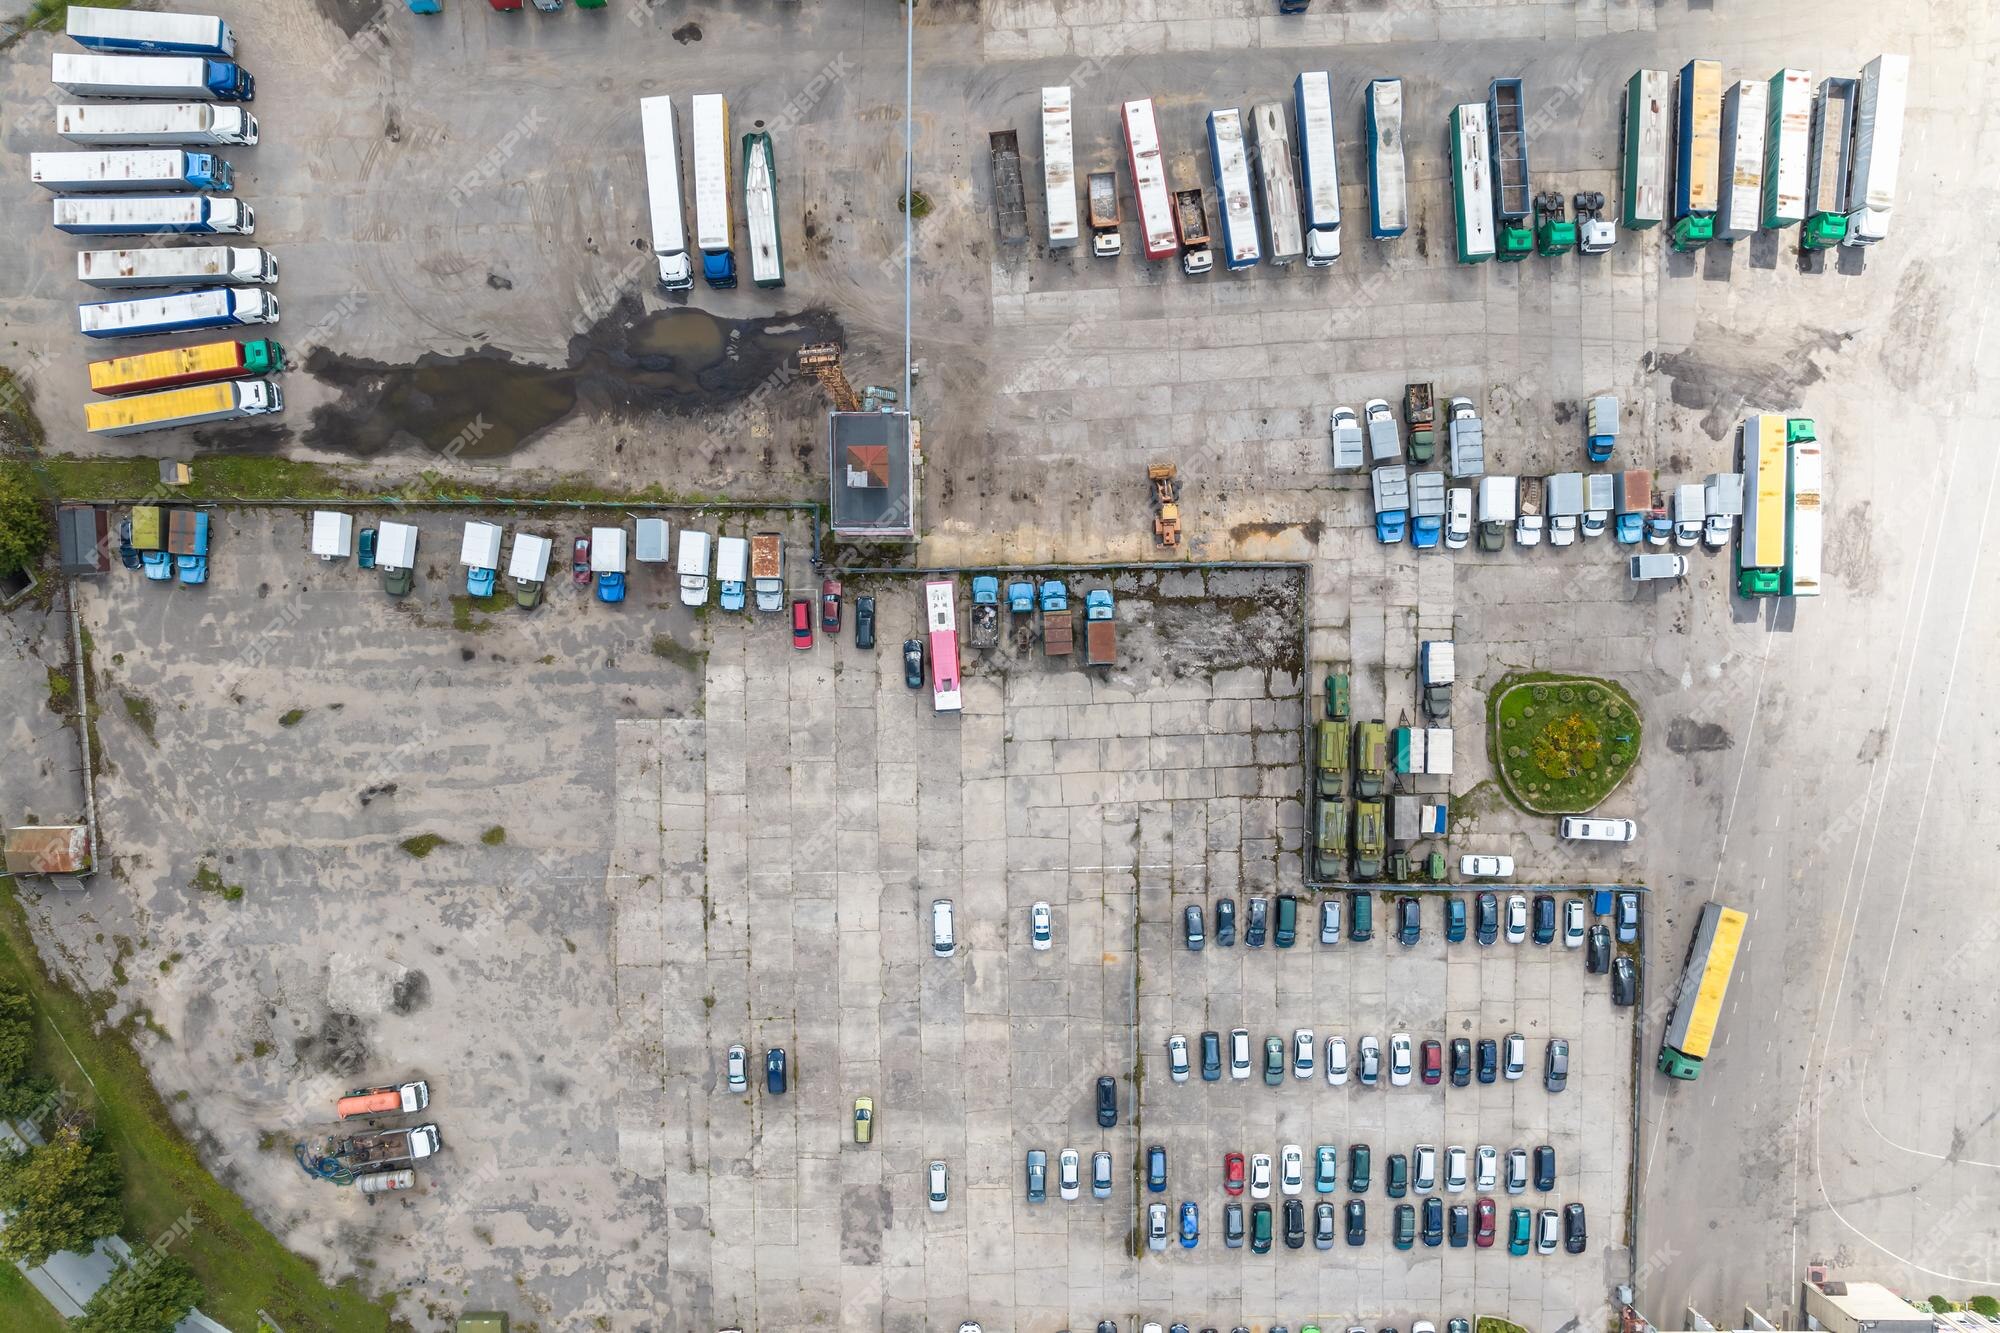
(774, 1069)
(1156, 1169)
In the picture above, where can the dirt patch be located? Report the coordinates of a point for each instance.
(412, 992)
(351, 16)
(1724, 378)
(340, 1047)
(1687, 736)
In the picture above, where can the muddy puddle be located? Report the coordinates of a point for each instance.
(488, 405)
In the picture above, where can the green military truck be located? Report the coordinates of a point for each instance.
(1368, 839)
(1333, 741)
(1330, 841)
(1371, 759)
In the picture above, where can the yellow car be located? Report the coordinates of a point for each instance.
(864, 1119)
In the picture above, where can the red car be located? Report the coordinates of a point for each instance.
(1232, 1172)
(579, 560)
(829, 606)
(802, 623)
(1482, 1226)
(1433, 1065)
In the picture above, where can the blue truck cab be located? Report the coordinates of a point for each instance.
(610, 586)
(1055, 595)
(1021, 597)
(718, 268)
(985, 590)
(1389, 527)
(193, 566)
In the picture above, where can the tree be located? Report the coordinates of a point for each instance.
(24, 526)
(17, 1029)
(149, 1298)
(60, 1196)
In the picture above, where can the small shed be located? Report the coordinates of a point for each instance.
(54, 851)
(83, 544)
(529, 562)
(332, 534)
(481, 547)
(649, 546)
(607, 550)
(396, 546)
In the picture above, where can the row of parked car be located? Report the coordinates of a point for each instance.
(1462, 1224)
(1419, 1170)
(1420, 1326)
(1359, 923)
(1505, 1057)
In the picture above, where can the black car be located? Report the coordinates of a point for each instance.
(1489, 1059)
(1260, 1228)
(1357, 1168)
(1357, 1222)
(1409, 922)
(127, 555)
(913, 663)
(864, 622)
(1225, 922)
(1573, 1231)
(1211, 1056)
(1107, 1101)
(1461, 1061)
(1192, 927)
(1397, 1182)
(1454, 920)
(1545, 1168)
(1461, 1225)
(774, 1070)
(1597, 949)
(1624, 981)
(1488, 927)
(1545, 918)
(1295, 1224)
(1361, 916)
(1433, 1221)
(1260, 911)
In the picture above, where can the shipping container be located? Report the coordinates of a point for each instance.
(714, 222)
(189, 123)
(666, 211)
(1471, 183)
(186, 365)
(1237, 205)
(1831, 159)
(152, 78)
(129, 170)
(1743, 124)
(1645, 148)
(176, 266)
(1149, 180)
(1787, 143)
(1388, 182)
(1697, 153)
(1804, 553)
(1059, 167)
(1319, 166)
(1270, 140)
(158, 214)
(130, 31)
(215, 307)
(1878, 146)
(194, 405)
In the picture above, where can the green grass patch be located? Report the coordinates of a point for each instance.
(140, 710)
(424, 844)
(291, 717)
(208, 879)
(694, 659)
(469, 614)
(62, 690)
(1986, 1305)
(1561, 744)
(22, 1308)
(1489, 1324)
(243, 1266)
(494, 836)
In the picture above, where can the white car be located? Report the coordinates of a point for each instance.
(1573, 924)
(1454, 1169)
(1547, 1232)
(1336, 1061)
(1260, 1175)
(1069, 1173)
(1291, 1168)
(1371, 1060)
(939, 1192)
(1582, 828)
(1041, 926)
(1457, 517)
(1517, 919)
(1514, 1058)
(1239, 1053)
(1517, 1170)
(1485, 1168)
(1177, 1058)
(1302, 1053)
(1486, 867)
(1156, 1228)
(1424, 1168)
(1399, 1060)
(738, 1061)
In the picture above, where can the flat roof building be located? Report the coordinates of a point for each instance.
(872, 476)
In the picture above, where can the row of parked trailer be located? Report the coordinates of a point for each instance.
(148, 168)
(1765, 154)
(714, 214)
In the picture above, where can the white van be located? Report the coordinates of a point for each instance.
(944, 942)
(693, 568)
(1579, 828)
(1645, 567)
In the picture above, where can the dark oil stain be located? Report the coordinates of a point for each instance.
(413, 992)
(1724, 380)
(368, 794)
(1687, 736)
(251, 437)
(498, 283)
(485, 404)
(351, 16)
(339, 1047)
(1565, 411)
(687, 32)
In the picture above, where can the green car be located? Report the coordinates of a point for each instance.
(1357, 1168)
(1399, 1175)
(1274, 1061)
(1260, 1228)
(1406, 1226)
(1520, 1230)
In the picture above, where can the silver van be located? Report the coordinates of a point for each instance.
(944, 943)
(1581, 828)
(1646, 567)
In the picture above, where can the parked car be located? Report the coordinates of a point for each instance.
(1038, 1175)
(1517, 1056)
(1488, 928)
(1583, 828)
(1232, 1173)
(1323, 1225)
(1409, 922)
(1433, 1221)
(1357, 1222)
(1371, 1061)
(1396, 1180)
(1156, 1169)
(1295, 1224)
(1482, 1223)
(1545, 918)
(1191, 927)
(1177, 1058)
(1291, 1169)
(1253, 932)
(1457, 517)
(1190, 1224)
(1399, 1060)
(1232, 1225)
(1274, 1062)
(1628, 917)
(1545, 1168)
(913, 663)
(1303, 1045)
(1225, 922)
(1473, 866)
(364, 549)
(1454, 920)
(1573, 1228)
(1100, 1174)
(1260, 1228)
(1406, 1226)
(1424, 1168)
(1548, 1232)
(1520, 1231)
(802, 621)
(1555, 1067)
(937, 1187)
(1461, 1061)
(1431, 1061)
(829, 605)
(738, 1067)
(1357, 1167)
(1329, 921)
(1211, 1056)
(1336, 1061)
(1041, 927)
(1286, 932)
(1485, 1168)
(1069, 1174)
(1517, 1170)
(1597, 950)
(1107, 1101)
(1360, 916)
(1517, 919)
(579, 561)
(1489, 1059)
(1239, 1053)
(864, 1120)
(1156, 1227)
(1456, 1169)
(864, 622)
(1260, 1175)
(1624, 982)
(774, 1071)
(1326, 1168)
(1460, 1225)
